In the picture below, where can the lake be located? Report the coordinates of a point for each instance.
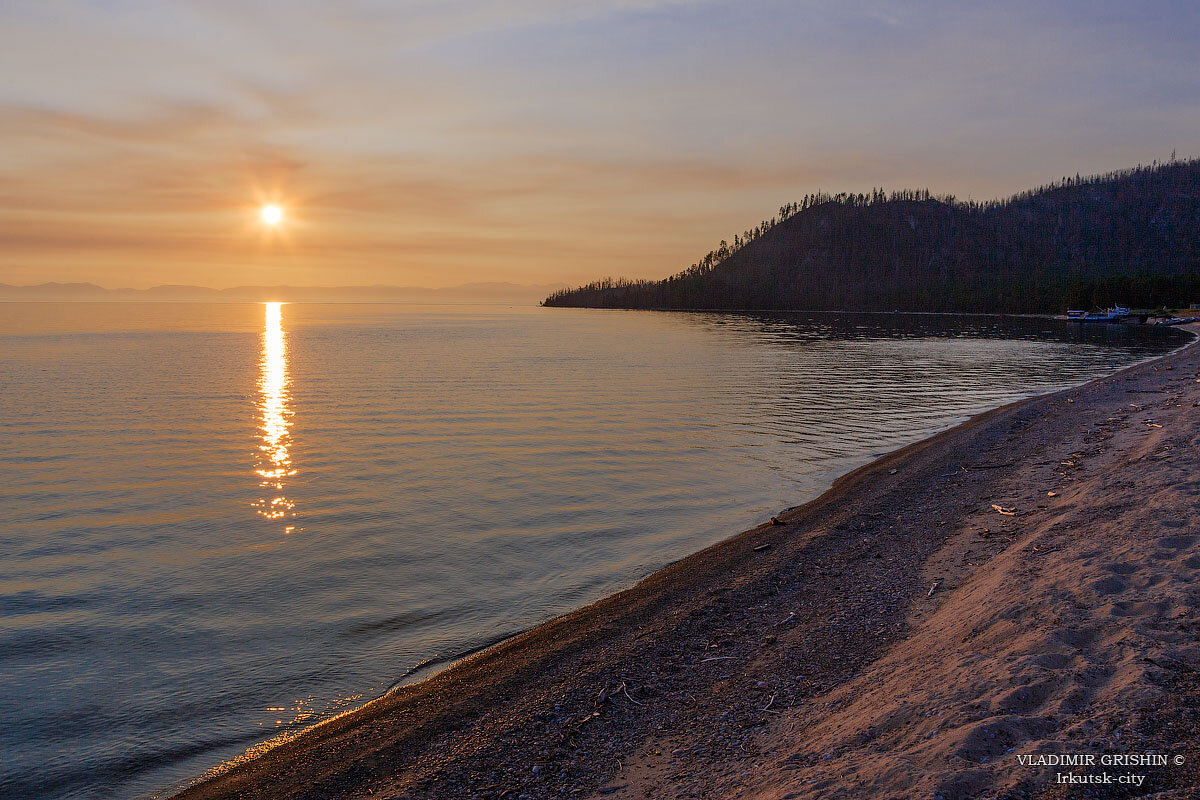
(221, 523)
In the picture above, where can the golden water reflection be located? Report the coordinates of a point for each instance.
(275, 462)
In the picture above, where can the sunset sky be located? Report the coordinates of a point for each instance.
(441, 142)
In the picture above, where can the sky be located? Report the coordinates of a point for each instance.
(442, 142)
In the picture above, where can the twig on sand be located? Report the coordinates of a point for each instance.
(717, 658)
(622, 688)
(762, 547)
(786, 619)
(934, 587)
(1008, 512)
(770, 702)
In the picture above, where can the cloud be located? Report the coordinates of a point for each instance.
(535, 140)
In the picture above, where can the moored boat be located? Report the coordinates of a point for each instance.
(1108, 315)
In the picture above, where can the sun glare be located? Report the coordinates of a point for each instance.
(271, 215)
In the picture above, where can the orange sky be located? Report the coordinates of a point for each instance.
(441, 143)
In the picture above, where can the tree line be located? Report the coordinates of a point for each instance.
(1130, 236)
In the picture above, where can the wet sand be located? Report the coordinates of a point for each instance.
(1025, 583)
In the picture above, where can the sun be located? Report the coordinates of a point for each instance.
(271, 215)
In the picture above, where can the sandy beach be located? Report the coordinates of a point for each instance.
(1024, 584)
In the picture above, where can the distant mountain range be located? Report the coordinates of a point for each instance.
(503, 293)
(1130, 237)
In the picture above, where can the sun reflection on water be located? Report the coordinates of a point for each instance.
(275, 462)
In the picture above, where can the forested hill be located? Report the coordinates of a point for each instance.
(1131, 237)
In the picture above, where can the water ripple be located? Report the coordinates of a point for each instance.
(225, 526)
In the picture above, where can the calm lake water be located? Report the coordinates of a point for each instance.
(219, 523)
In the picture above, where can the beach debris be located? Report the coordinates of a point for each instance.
(717, 658)
(581, 720)
(786, 619)
(770, 702)
(1009, 511)
(762, 547)
(777, 521)
(934, 587)
(1051, 494)
(608, 693)
(1150, 424)
(892, 471)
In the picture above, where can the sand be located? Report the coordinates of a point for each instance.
(810, 659)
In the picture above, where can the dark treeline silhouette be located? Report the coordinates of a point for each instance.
(1131, 236)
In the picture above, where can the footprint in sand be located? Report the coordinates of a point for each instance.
(1110, 585)
(1177, 542)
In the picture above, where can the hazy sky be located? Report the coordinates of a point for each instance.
(435, 143)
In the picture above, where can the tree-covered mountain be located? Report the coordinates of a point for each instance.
(1129, 237)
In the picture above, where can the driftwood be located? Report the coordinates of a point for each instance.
(606, 696)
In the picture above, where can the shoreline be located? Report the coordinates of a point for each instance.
(724, 657)
(434, 666)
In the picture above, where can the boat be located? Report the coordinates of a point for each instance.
(1108, 315)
